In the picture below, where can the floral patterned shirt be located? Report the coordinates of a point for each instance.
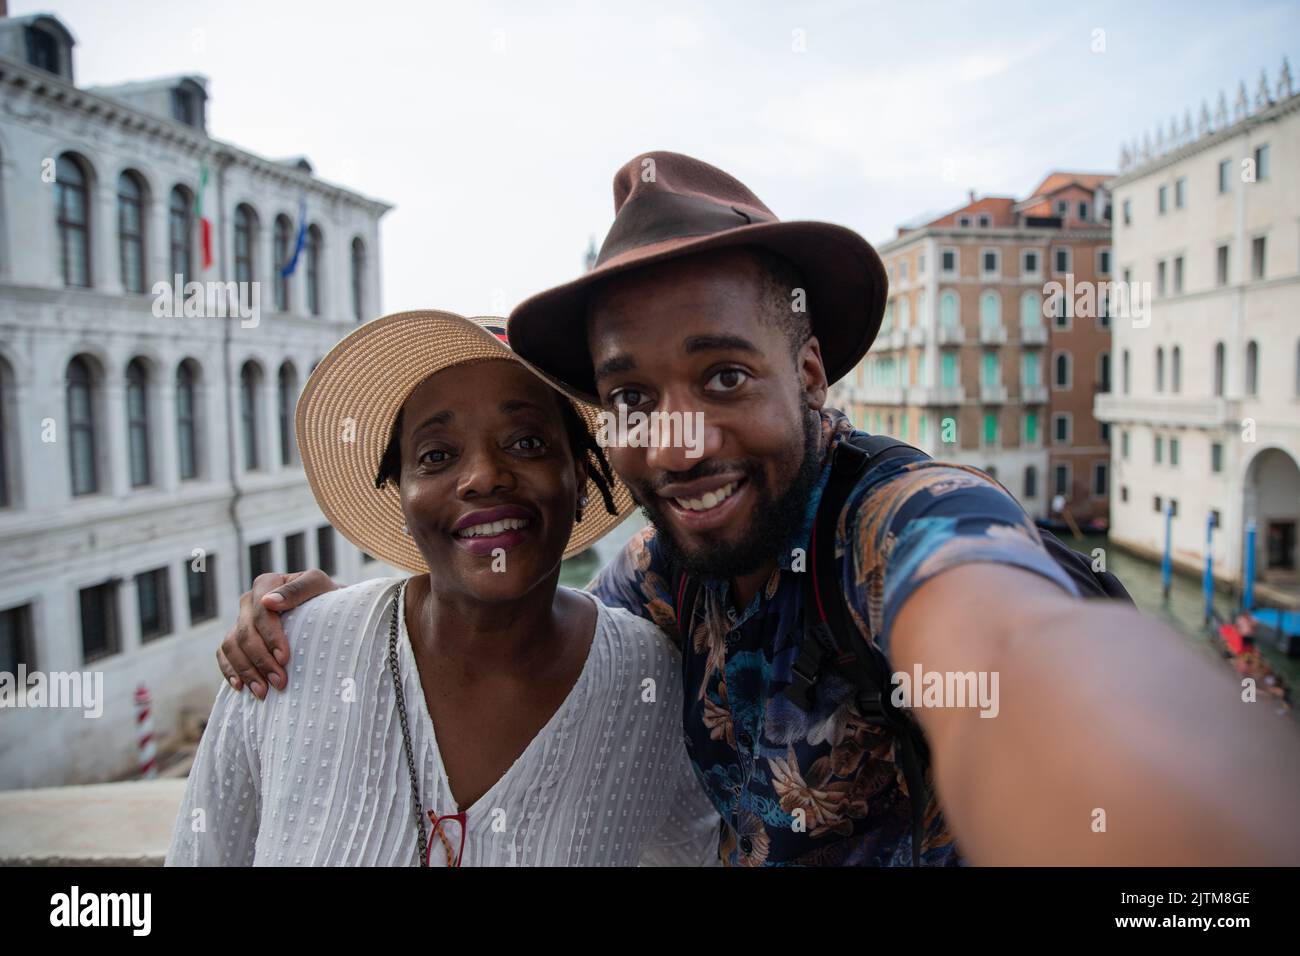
(760, 757)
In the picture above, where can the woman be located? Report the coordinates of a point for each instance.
(475, 713)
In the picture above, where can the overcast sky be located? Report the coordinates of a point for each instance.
(495, 129)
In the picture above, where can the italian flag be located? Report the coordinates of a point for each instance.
(205, 224)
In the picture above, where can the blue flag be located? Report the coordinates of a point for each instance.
(287, 269)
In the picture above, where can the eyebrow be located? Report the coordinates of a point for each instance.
(508, 407)
(695, 343)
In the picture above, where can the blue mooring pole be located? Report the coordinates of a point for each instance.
(1208, 583)
(1248, 585)
(1166, 562)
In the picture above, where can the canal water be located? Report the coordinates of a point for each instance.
(1184, 610)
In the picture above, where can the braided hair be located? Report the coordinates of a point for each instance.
(582, 444)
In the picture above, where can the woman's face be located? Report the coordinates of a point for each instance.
(488, 482)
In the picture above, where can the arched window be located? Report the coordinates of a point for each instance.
(130, 230)
(81, 427)
(1252, 368)
(137, 421)
(358, 278)
(1160, 369)
(1219, 368)
(313, 251)
(1124, 362)
(1061, 370)
(283, 250)
(245, 242)
(180, 230)
(72, 202)
(1031, 310)
(1176, 370)
(288, 395)
(1031, 481)
(187, 430)
(949, 316)
(990, 310)
(250, 385)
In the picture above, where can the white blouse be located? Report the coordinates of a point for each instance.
(316, 775)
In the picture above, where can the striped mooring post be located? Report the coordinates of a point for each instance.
(144, 733)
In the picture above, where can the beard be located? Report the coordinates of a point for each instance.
(782, 514)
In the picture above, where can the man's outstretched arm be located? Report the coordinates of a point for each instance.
(1106, 718)
(255, 651)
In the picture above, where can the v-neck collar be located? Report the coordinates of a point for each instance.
(407, 665)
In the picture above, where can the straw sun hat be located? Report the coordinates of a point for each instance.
(346, 413)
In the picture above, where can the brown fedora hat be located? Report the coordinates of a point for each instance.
(667, 205)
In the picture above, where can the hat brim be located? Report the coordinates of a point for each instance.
(346, 412)
(846, 291)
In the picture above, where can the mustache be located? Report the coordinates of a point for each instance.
(750, 469)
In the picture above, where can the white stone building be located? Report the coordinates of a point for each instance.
(132, 443)
(1206, 414)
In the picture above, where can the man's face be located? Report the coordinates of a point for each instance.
(690, 336)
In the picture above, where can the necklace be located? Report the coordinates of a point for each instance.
(453, 858)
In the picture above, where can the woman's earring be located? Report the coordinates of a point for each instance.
(582, 502)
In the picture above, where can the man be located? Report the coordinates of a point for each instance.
(1109, 740)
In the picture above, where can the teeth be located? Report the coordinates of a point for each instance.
(710, 499)
(492, 527)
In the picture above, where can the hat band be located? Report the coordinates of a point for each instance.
(655, 216)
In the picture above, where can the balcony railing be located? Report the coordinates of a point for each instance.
(950, 335)
(916, 335)
(1170, 411)
(898, 339)
(1033, 335)
(936, 395)
(993, 334)
(1033, 394)
(993, 394)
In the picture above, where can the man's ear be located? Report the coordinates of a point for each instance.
(812, 373)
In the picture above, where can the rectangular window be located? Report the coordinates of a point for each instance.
(948, 260)
(100, 636)
(1162, 200)
(325, 549)
(1103, 261)
(1261, 162)
(1160, 278)
(153, 600)
(259, 560)
(1123, 493)
(1225, 175)
(1180, 192)
(990, 428)
(1160, 505)
(1029, 262)
(1083, 210)
(1173, 451)
(1178, 274)
(920, 264)
(963, 221)
(1061, 480)
(201, 588)
(949, 370)
(1257, 254)
(1221, 265)
(990, 262)
(1061, 427)
(1160, 449)
(1216, 458)
(1123, 445)
(295, 552)
(1100, 480)
(1128, 212)
(1062, 261)
(16, 639)
(984, 221)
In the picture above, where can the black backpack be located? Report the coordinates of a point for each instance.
(833, 643)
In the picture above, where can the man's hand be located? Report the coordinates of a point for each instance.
(255, 651)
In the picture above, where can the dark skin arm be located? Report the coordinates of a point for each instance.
(1101, 707)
